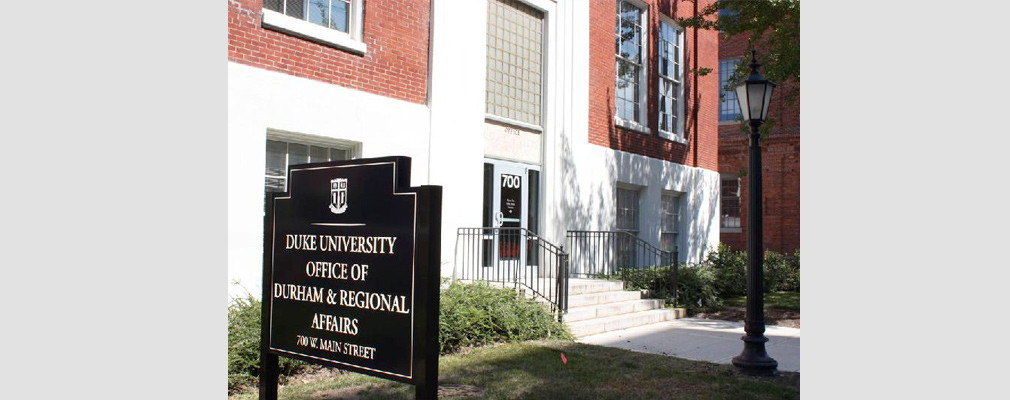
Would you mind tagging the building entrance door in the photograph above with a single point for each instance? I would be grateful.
(511, 205)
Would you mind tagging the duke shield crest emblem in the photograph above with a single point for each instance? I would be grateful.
(338, 195)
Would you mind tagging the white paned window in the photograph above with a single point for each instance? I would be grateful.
(627, 210)
(631, 35)
(671, 76)
(282, 154)
(342, 20)
(670, 221)
(730, 219)
(333, 14)
(515, 33)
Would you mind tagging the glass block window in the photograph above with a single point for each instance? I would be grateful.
(627, 210)
(670, 221)
(671, 75)
(730, 203)
(515, 33)
(630, 74)
(333, 14)
(729, 108)
(282, 154)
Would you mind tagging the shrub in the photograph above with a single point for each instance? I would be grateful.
(657, 280)
(244, 345)
(478, 314)
(696, 288)
(782, 273)
(730, 270)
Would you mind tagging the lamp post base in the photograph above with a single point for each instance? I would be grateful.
(754, 359)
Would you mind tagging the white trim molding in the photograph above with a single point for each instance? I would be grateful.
(282, 23)
(635, 126)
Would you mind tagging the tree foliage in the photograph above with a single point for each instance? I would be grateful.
(774, 28)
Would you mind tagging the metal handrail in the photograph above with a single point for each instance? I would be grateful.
(515, 256)
(612, 254)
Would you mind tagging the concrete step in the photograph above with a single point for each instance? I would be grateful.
(586, 286)
(613, 296)
(608, 309)
(620, 321)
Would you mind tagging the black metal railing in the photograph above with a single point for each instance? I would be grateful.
(517, 257)
(615, 254)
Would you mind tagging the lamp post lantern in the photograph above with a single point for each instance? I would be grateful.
(754, 95)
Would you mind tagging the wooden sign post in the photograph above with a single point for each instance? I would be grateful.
(351, 273)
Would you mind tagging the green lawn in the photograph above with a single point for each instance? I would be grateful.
(533, 370)
(780, 300)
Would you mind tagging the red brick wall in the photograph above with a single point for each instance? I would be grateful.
(780, 160)
(702, 106)
(395, 64)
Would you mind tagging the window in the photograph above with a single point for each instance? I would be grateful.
(729, 108)
(515, 34)
(728, 16)
(336, 22)
(627, 210)
(671, 75)
(730, 219)
(629, 96)
(670, 221)
(282, 154)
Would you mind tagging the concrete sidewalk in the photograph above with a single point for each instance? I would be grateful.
(703, 340)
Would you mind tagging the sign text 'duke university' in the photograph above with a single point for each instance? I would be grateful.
(349, 280)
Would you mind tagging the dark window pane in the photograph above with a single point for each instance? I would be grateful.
(318, 154)
(488, 192)
(533, 213)
(297, 154)
(295, 8)
(274, 5)
(337, 155)
(276, 152)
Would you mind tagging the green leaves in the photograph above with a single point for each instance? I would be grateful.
(478, 314)
(773, 27)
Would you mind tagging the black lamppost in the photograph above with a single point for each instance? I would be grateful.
(754, 95)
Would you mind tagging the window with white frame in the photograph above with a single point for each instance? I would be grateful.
(515, 32)
(729, 108)
(631, 38)
(627, 210)
(670, 222)
(671, 75)
(282, 154)
(730, 198)
(342, 20)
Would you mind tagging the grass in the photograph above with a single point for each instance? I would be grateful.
(779, 300)
(533, 370)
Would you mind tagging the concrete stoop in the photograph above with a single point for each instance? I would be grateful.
(597, 306)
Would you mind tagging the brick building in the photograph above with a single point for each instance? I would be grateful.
(780, 159)
(479, 93)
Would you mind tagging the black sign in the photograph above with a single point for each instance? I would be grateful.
(351, 269)
(511, 196)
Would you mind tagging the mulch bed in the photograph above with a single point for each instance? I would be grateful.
(773, 316)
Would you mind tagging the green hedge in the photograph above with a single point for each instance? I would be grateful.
(722, 275)
(244, 345)
(696, 289)
(782, 274)
(469, 315)
(478, 314)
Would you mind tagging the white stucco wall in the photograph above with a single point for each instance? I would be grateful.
(260, 100)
